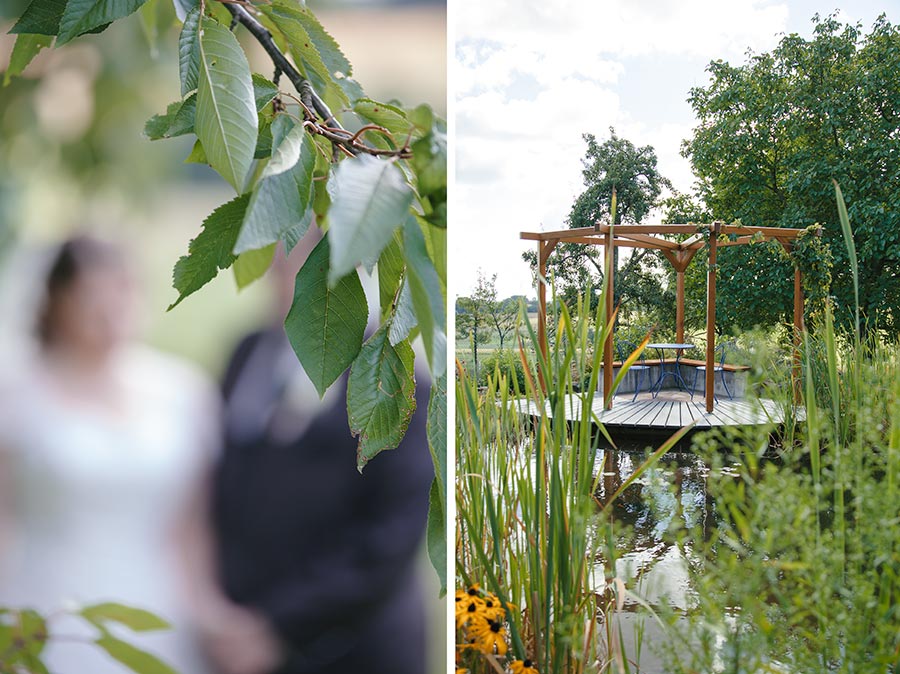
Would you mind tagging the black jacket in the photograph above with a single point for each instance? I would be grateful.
(325, 552)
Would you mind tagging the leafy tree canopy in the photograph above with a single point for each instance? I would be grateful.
(775, 131)
(615, 164)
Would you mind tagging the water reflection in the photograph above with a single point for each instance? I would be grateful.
(670, 496)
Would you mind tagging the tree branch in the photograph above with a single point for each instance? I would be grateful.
(330, 127)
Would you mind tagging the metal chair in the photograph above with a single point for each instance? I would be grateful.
(721, 350)
(624, 349)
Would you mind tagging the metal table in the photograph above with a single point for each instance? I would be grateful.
(664, 371)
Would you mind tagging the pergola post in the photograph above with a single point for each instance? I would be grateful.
(798, 333)
(679, 305)
(544, 250)
(715, 228)
(679, 261)
(608, 344)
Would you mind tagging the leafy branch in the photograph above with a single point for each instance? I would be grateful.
(309, 100)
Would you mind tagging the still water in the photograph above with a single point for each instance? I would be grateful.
(670, 496)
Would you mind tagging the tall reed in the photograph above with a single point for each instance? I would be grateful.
(529, 528)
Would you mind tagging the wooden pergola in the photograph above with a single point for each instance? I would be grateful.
(679, 254)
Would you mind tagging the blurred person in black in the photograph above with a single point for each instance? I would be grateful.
(324, 555)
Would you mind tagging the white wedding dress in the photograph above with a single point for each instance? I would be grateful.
(94, 497)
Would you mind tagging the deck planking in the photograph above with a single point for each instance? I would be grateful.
(670, 410)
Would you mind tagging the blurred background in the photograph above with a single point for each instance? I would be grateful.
(73, 158)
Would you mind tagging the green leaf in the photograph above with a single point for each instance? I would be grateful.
(436, 240)
(332, 57)
(430, 163)
(184, 7)
(292, 236)
(380, 395)
(427, 295)
(388, 116)
(27, 46)
(226, 121)
(180, 115)
(369, 200)
(436, 430)
(178, 120)
(83, 16)
(321, 202)
(423, 117)
(390, 273)
(283, 196)
(197, 155)
(325, 324)
(252, 264)
(436, 535)
(189, 51)
(135, 659)
(263, 139)
(137, 619)
(41, 17)
(211, 250)
(264, 91)
(32, 629)
(291, 18)
(404, 318)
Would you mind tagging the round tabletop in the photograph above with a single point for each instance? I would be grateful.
(670, 346)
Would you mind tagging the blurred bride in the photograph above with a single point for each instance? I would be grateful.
(103, 447)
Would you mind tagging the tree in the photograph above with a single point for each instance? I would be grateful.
(616, 164)
(772, 135)
(311, 149)
(473, 313)
(503, 315)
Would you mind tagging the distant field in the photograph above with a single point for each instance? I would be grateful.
(488, 346)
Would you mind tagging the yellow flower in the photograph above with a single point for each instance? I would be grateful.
(471, 591)
(489, 635)
(462, 670)
(468, 609)
(493, 609)
(522, 667)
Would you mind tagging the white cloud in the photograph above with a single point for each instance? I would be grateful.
(624, 27)
(530, 78)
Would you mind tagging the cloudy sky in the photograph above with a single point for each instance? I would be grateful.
(529, 78)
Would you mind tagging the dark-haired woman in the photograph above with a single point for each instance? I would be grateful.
(101, 443)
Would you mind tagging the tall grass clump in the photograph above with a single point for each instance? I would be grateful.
(803, 572)
(528, 527)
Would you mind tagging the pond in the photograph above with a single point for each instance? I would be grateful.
(672, 495)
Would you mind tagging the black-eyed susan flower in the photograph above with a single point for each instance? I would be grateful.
(467, 610)
(523, 667)
(490, 635)
(493, 608)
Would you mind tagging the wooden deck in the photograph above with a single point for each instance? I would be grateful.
(671, 410)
